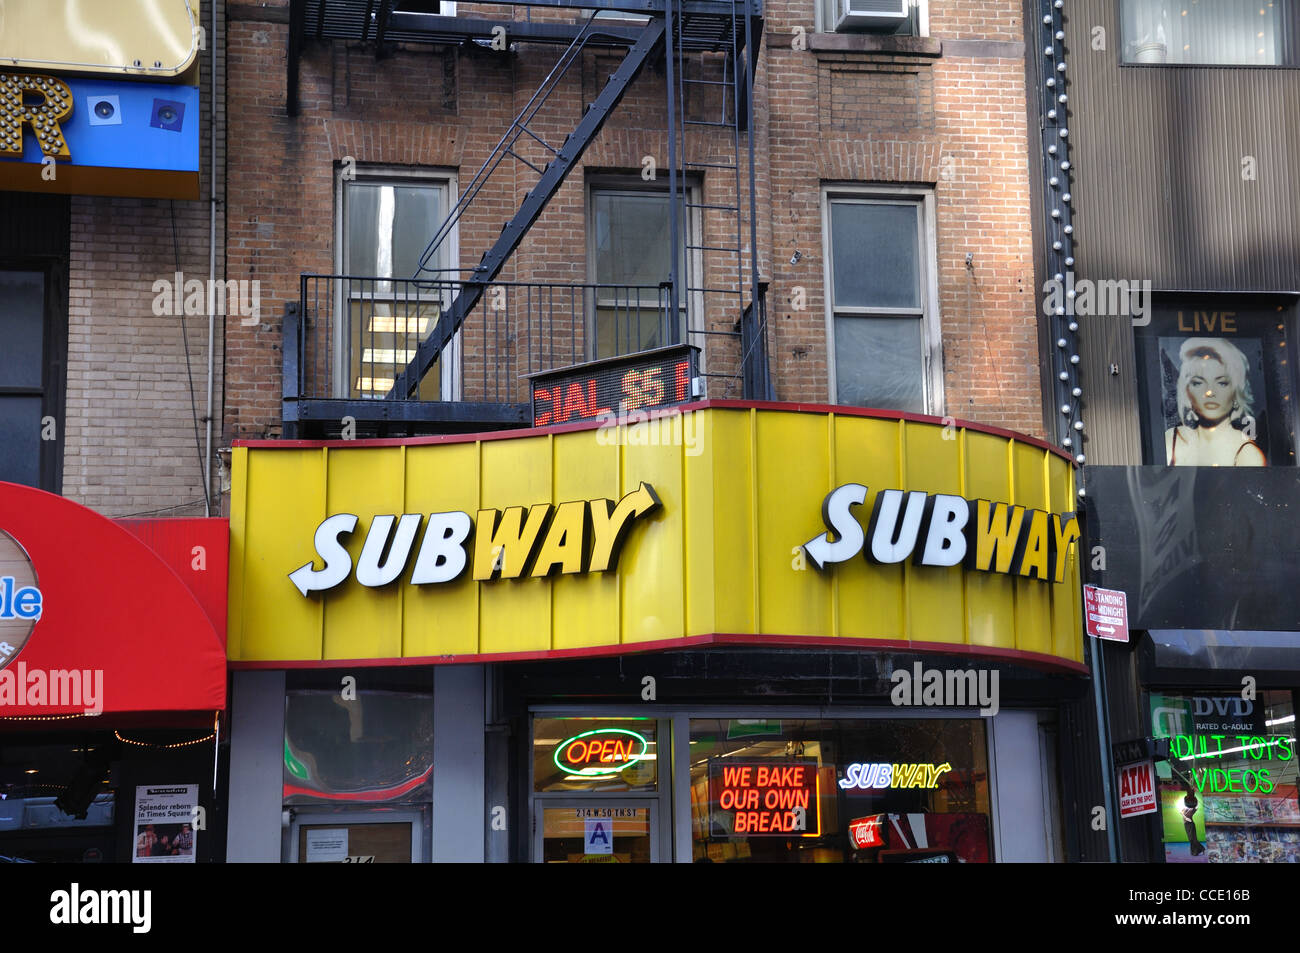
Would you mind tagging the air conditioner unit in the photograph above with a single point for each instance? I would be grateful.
(870, 14)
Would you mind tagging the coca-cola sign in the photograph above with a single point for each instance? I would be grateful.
(867, 832)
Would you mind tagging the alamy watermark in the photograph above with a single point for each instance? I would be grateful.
(57, 688)
(639, 429)
(946, 688)
(195, 297)
(76, 906)
(1103, 298)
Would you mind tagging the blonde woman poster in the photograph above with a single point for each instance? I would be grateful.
(1213, 402)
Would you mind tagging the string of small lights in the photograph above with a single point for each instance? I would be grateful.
(157, 747)
(46, 717)
(1065, 325)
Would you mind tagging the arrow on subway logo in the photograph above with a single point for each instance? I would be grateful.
(566, 538)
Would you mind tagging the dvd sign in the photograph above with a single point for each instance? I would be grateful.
(20, 598)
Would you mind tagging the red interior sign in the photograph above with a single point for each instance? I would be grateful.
(763, 798)
(867, 832)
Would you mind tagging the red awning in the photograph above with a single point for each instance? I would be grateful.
(91, 617)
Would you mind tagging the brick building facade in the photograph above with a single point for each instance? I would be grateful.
(130, 438)
(941, 116)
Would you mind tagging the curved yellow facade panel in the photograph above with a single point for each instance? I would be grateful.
(156, 38)
(725, 522)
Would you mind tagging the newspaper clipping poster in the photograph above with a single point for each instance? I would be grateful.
(164, 824)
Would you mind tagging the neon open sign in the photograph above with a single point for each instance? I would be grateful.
(602, 753)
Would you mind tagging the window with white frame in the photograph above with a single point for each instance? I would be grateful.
(881, 313)
(888, 17)
(629, 248)
(387, 219)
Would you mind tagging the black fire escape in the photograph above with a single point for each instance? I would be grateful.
(454, 347)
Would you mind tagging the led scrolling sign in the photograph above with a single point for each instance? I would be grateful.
(605, 390)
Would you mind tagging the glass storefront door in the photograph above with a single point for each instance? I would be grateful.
(356, 837)
(593, 831)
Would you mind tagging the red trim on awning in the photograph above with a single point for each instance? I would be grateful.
(113, 607)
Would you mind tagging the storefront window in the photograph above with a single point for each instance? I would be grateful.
(1228, 794)
(600, 755)
(857, 791)
(374, 748)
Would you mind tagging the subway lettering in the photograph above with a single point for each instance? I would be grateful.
(569, 538)
(943, 530)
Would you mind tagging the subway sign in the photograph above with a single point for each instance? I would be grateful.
(938, 529)
(569, 538)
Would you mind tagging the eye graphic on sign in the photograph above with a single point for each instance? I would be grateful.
(20, 598)
(601, 754)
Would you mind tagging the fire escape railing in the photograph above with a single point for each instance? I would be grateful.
(720, 291)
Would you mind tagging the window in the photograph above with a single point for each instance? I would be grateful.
(357, 773)
(1209, 33)
(629, 242)
(880, 316)
(445, 8)
(387, 222)
(824, 791)
(31, 378)
(1228, 792)
(864, 16)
